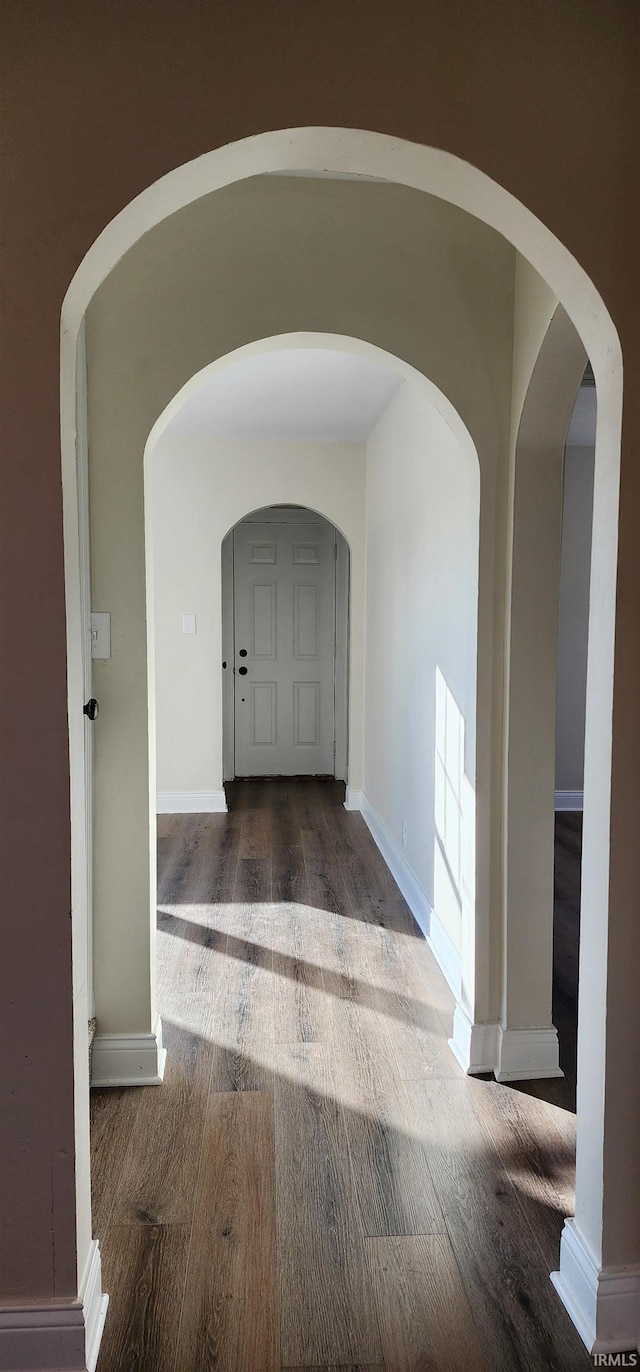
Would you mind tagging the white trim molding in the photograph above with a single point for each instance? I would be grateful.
(569, 800)
(473, 1045)
(94, 1303)
(353, 799)
(604, 1304)
(57, 1336)
(191, 803)
(128, 1059)
(417, 899)
(445, 953)
(527, 1054)
(442, 947)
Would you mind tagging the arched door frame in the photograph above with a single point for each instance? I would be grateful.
(341, 655)
(439, 173)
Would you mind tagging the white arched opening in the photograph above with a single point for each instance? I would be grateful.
(366, 154)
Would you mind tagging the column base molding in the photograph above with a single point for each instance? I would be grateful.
(604, 1304)
(569, 800)
(527, 1054)
(511, 1054)
(474, 1045)
(128, 1059)
(57, 1336)
(353, 799)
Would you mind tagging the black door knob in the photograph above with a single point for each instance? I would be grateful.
(242, 653)
(242, 671)
(91, 709)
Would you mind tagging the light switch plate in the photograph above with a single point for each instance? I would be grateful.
(188, 624)
(100, 634)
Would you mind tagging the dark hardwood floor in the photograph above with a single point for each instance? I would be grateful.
(317, 1184)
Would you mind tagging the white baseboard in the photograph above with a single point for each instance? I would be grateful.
(442, 947)
(191, 803)
(94, 1304)
(128, 1059)
(445, 953)
(527, 1054)
(569, 800)
(603, 1304)
(417, 899)
(473, 1045)
(353, 800)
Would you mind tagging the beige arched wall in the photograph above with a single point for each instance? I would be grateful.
(470, 188)
(264, 256)
(98, 106)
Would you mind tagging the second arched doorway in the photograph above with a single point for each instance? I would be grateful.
(285, 618)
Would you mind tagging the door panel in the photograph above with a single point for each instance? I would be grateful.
(284, 607)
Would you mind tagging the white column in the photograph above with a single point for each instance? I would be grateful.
(527, 1041)
(599, 1276)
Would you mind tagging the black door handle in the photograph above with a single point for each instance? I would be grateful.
(91, 709)
(242, 671)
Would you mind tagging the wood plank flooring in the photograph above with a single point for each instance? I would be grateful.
(317, 1185)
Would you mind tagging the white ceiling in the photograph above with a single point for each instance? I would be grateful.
(582, 429)
(295, 395)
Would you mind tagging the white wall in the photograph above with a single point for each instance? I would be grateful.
(577, 516)
(421, 615)
(198, 489)
(282, 256)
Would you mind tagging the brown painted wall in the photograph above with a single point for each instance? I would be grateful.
(100, 100)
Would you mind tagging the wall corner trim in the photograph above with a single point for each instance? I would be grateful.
(442, 947)
(128, 1059)
(569, 800)
(604, 1304)
(353, 799)
(527, 1054)
(191, 803)
(57, 1336)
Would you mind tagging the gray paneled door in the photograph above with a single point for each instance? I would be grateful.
(284, 610)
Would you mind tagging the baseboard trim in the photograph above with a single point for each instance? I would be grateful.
(128, 1059)
(417, 899)
(191, 803)
(48, 1337)
(603, 1304)
(353, 799)
(527, 1054)
(569, 800)
(445, 953)
(442, 947)
(473, 1045)
(57, 1336)
(94, 1303)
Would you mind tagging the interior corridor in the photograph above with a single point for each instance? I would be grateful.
(317, 1184)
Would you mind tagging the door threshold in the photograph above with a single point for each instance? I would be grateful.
(301, 776)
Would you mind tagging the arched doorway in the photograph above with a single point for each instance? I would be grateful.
(366, 153)
(285, 618)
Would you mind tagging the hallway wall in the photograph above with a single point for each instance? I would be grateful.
(269, 256)
(423, 494)
(199, 488)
